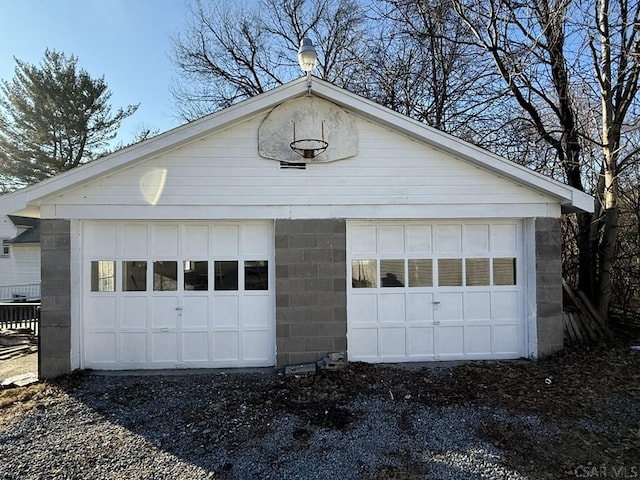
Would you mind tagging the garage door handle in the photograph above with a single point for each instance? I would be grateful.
(178, 308)
(436, 303)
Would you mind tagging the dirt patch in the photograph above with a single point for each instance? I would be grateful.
(19, 365)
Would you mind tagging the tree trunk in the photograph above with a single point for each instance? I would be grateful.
(607, 247)
(586, 255)
(607, 255)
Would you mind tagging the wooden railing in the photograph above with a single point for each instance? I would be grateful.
(19, 315)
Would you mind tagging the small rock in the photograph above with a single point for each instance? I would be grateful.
(300, 370)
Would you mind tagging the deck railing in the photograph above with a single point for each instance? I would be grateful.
(20, 315)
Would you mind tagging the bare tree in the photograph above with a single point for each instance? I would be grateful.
(230, 52)
(413, 57)
(541, 50)
(626, 263)
(615, 48)
(424, 64)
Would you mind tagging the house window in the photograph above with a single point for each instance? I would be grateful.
(196, 276)
(364, 273)
(450, 272)
(504, 271)
(103, 276)
(256, 275)
(477, 272)
(165, 276)
(392, 273)
(420, 272)
(226, 275)
(6, 249)
(134, 276)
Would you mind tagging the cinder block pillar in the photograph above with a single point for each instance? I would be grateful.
(54, 354)
(311, 292)
(549, 286)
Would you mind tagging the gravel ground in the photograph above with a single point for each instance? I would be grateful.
(174, 431)
(363, 423)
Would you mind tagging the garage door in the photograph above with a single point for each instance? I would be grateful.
(435, 291)
(176, 295)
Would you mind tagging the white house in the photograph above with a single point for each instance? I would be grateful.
(19, 258)
(299, 222)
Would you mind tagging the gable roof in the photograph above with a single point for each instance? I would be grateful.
(26, 201)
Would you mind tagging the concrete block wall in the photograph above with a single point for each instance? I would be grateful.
(311, 289)
(54, 354)
(549, 286)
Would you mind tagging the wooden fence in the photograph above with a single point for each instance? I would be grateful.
(16, 315)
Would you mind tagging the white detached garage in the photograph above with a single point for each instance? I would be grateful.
(297, 223)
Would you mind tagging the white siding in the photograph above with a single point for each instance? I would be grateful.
(222, 176)
(7, 228)
(22, 267)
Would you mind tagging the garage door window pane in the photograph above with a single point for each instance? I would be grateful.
(256, 275)
(134, 276)
(103, 276)
(226, 275)
(196, 276)
(477, 272)
(165, 276)
(450, 272)
(421, 272)
(392, 273)
(504, 271)
(364, 273)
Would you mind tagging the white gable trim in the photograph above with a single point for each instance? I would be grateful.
(569, 196)
(28, 200)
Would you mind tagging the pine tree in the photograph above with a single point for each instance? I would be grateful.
(53, 117)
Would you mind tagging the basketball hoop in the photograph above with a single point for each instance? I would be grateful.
(308, 147)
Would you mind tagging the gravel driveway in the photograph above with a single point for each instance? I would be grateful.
(364, 422)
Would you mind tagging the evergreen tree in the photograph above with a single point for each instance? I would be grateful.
(53, 117)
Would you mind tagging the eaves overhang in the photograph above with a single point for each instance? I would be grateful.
(26, 202)
(570, 199)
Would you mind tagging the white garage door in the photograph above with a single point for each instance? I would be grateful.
(176, 295)
(435, 291)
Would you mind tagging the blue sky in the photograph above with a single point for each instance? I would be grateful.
(127, 41)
